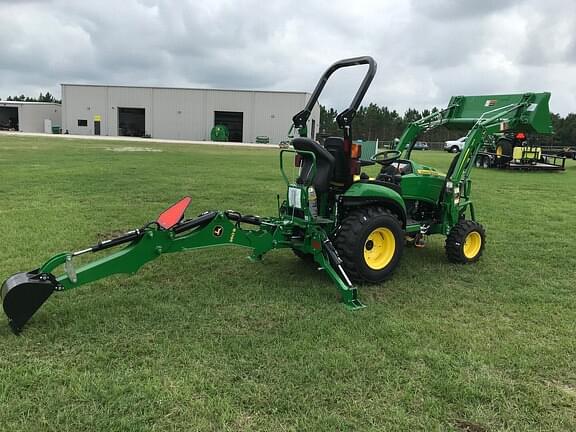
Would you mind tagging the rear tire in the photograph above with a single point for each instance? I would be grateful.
(454, 149)
(503, 152)
(370, 244)
(466, 242)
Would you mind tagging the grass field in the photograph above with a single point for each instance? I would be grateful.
(209, 341)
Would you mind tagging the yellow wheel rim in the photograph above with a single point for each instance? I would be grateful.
(379, 248)
(472, 244)
(499, 151)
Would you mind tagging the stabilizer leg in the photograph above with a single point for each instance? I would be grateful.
(332, 264)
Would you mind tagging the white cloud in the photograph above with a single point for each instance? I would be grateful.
(426, 50)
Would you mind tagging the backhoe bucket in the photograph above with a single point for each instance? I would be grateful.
(23, 294)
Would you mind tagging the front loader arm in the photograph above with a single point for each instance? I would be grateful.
(429, 122)
(456, 197)
(408, 137)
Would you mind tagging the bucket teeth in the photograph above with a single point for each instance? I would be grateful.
(23, 294)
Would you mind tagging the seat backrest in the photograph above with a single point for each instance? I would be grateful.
(324, 164)
(335, 146)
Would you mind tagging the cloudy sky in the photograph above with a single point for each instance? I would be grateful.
(426, 50)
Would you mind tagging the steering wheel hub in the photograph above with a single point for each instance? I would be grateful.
(386, 157)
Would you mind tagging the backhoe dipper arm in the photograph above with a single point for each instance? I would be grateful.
(220, 231)
(25, 292)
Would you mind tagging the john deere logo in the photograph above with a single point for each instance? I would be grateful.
(218, 230)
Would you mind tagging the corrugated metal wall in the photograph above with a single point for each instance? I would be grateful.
(182, 113)
(31, 116)
(84, 103)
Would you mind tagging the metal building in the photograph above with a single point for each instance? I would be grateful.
(181, 113)
(29, 116)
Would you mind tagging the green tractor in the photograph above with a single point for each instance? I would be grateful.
(220, 133)
(350, 225)
(518, 151)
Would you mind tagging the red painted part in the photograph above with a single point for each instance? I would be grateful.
(316, 244)
(355, 167)
(347, 146)
(171, 216)
(521, 135)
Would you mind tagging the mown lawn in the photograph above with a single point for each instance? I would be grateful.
(209, 341)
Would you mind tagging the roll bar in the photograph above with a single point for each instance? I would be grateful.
(345, 117)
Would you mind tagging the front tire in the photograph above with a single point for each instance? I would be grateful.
(466, 242)
(370, 244)
(454, 149)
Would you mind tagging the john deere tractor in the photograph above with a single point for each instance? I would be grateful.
(518, 151)
(350, 225)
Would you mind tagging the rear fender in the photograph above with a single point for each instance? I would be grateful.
(362, 194)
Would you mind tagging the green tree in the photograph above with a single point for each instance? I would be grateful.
(328, 121)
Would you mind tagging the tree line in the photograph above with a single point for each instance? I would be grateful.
(374, 122)
(47, 97)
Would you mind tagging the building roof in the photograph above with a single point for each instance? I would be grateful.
(185, 88)
(7, 102)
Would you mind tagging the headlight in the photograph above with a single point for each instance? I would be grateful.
(457, 195)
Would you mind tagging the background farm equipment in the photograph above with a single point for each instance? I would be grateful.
(220, 133)
(517, 151)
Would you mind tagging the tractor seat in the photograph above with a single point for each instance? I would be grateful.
(335, 146)
(324, 164)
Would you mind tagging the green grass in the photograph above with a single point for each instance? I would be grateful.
(209, 341)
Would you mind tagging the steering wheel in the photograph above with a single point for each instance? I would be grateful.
(386, 157)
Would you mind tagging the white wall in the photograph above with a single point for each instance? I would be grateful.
(182, 113)
(31, 116)
(83, 103)
(179, 114)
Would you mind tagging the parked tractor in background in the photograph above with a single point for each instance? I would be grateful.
(517, 151)
(220, 133)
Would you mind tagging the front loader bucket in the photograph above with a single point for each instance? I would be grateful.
(23, 294)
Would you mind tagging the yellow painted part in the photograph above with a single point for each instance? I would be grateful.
(429, 172)
(527, 152)
(379, 248)
(472, 244)
(357, 178)
(499, 151)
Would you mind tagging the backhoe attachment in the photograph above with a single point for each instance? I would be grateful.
(24, 293)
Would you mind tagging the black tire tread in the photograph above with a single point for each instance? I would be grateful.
(349, 233)
(456, 237)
